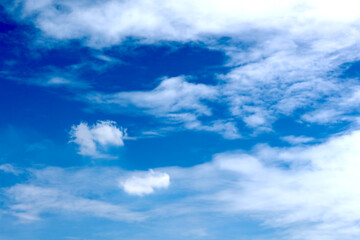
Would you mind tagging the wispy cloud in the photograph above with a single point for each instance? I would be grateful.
(172, 96)
(297, 139)
(174, 100)
(48, 78)
(33, 200)
(8, 168)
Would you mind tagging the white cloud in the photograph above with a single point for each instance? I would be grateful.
(279, 76)
(254, 120)
(145, 183)
(51, 78)
(226, 129)
(172, 96)
(8, 168)
(95, 139)
(339, 107)
(57, 81)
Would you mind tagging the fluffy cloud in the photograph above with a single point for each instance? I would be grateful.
(92, 140)
(145, 183)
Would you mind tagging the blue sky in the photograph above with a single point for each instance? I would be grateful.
(141, 120)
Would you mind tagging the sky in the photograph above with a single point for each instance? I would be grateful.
(179, 119)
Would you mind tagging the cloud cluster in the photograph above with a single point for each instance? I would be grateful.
(282, 56)
(95, 139)
(305, 192)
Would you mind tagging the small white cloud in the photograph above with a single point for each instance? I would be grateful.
(105, 58)
(145, 183)
(58, 81)
(92, 140)
(297, 139)
(322, 116)
(254, 120)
